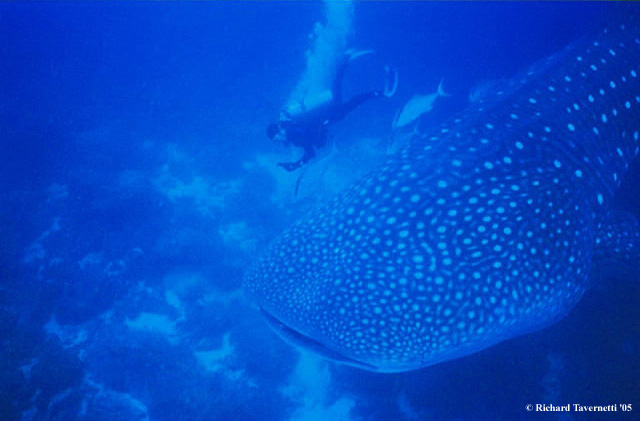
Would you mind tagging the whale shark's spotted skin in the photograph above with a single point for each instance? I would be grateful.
(479, 232)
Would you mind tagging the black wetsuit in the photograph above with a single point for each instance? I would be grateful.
(310, 132)
(305, 136)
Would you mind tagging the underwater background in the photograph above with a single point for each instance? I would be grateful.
(138, 184)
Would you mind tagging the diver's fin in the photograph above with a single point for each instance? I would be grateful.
(617, 252)
(353, 54)
(391, 81)
(440, 91)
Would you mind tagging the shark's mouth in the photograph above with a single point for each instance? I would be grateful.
(300, 340)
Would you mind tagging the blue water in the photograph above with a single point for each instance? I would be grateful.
(138, 185)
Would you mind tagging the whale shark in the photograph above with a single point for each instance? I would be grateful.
(487, 227)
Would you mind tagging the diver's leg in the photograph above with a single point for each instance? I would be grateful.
(348, 57)
(390, 86)
(336, 89)
(345, 108)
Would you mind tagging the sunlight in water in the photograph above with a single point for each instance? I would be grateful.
(329, 43)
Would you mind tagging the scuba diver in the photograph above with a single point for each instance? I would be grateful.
(306, 125)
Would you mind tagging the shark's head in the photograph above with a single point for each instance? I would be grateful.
(372, 280)
(329, 285)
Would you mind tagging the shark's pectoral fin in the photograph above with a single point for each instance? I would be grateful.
(617, 252)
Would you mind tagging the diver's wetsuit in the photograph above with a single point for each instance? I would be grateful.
(309, 131)
(305, 136)
(309, 135)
